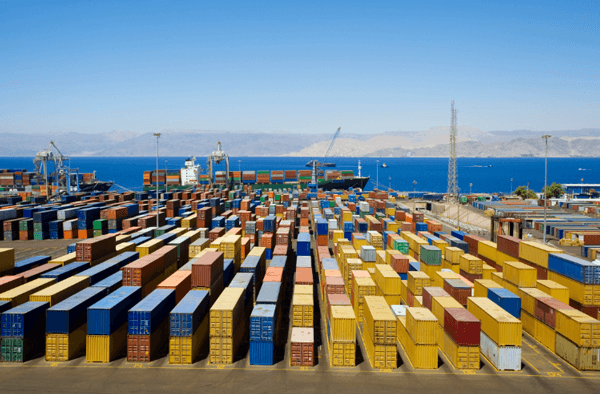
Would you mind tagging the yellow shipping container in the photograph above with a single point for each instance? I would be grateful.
(123, 238)
(586, 295)
(179, 231)
(217, 244)
(387, 279)
(7, 260)
(497, 277)
(61, 290)
(380, 256)
(125, 247)
(376, 240)
(224, 349)
(417, 302)
(65, 347)
(578, 327)
(106, 348)
(513, 288)
(430, 270)
(351, 265)
(452, 254)
(528, 323)
(195, 250)
(488, 249)
(503, 257)
(536, 253)
(337, 234)
(441, 276)
(347, 252)
(404, 291)
(414, 241)
(462, 357)
(194, 234)
(481, 287)
(342, 354)
(471, 264)
(421, 356)
(185, 350)
(544, 335)
(149, 247)
(440, 244)
(304, 289)
(190, 221)
(343, 323)
(302, 310)
(439, 305)
(347, 215)
(393, 227)
(502, 328)
(487, 271)
(358, 242)
(554, 289)
(380, 321)
(421, 325)
(447, 265)
(65, 259)
(528, 297)
(20, 294)
(416, 280)
(226, 312)
(519, 274)
(380, 356)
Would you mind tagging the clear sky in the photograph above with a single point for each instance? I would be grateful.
(298, 66)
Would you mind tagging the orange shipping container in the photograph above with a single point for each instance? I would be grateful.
(180, 281)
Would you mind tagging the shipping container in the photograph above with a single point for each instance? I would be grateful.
(110, 313)
(501, 327)
(70, 314)
(148, 314)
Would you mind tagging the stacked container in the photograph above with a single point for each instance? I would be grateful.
(227, 326)
(263, 329)
(148, 324)
(380, 333)
(189, 327)
(417, 334)
(23, 332)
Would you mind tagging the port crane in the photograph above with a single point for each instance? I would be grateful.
(62, 170)
(316, 164)
(217, 157)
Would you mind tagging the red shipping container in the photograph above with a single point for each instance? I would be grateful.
(591, 311)
(545, 309)
(462, 326)
(302, 347)
(10, 282)
(410, 298)
(591, 238)
(399, 263)
(143, 270)
(323, 240)
(509, 245)
(400, 215)
(470, 277)
(207, 269)
(430, 292)
(266, 241)
(304, 276)
(334, 285)
(406, 226)
(274, 274)
(93, 249)
(460, 294)
(180, 281)
(216, 233)
(473, 241)
(36, 272)
(283, 236)
(281, 250)
(146, 348)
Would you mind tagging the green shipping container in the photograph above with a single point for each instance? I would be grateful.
(17, 351)
(100, 224)
(431, 255)
(401, 245)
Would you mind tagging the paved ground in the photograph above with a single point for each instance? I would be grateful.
(49, 247)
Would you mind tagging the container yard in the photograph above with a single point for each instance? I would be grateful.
(250, 281)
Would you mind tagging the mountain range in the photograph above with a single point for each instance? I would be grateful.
(471, 142)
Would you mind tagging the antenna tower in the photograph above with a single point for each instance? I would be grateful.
(452, 174)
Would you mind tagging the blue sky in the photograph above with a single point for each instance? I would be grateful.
(309, 66)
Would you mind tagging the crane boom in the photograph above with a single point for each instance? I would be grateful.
(332, 141)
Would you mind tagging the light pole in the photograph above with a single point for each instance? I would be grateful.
(458, 208)
(414, 195)
(511, 189)
(546, 136)
(470, 188)
(240, 166)
(377, 182)
(390, 185)
(166, 170)
(157, 135)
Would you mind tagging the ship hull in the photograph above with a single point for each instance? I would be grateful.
(342, 184)
(98, 186)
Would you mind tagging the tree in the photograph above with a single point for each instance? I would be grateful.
(555, 190)
(525, 193)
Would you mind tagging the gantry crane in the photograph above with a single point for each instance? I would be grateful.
(316, 164)
(62, 173)
(217, 157)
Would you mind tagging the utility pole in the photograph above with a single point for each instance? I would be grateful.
(470, 188)
(166, 170)
(511, 189)
(157, 135)
(458, 210)
(414, 196)
(546, 136)
(377, 182)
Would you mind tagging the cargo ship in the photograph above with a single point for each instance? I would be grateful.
(23, 181)
(190, 175)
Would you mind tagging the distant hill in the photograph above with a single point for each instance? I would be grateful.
(472, 142)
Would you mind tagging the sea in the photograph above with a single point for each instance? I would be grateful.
(475, 175)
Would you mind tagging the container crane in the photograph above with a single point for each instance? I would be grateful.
(217, 157)
(315, 164)
(62, 173)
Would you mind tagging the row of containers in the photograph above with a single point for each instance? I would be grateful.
(432, 260)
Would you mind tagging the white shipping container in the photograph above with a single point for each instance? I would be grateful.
(368, 253)
(502, 357)
(66, 214)
(303, 262)
(68, 225)
(332, 223)
(364, 206)
(399, 310)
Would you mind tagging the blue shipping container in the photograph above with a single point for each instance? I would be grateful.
(70, 314)
(228, 271)
(263, 323)
(303, 245)
(24, 319)
(111, 283)
(66, 271)
(269, 294)
(580, 270)
(279, 261)
(110, 313)
(330, 264)
(303, 262)
(506, 300)
(245, 280)
(32, 262)
(186, 317)
(261, 352)
(149, 313)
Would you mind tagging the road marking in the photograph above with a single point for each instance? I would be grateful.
(530, 364)
(554, 375)
(533, 347)
(556, 365)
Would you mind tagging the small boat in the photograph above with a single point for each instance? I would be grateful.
(384, 165)
(310, 164)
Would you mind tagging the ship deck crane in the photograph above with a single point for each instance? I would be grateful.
(217, 157)
(315, 164)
